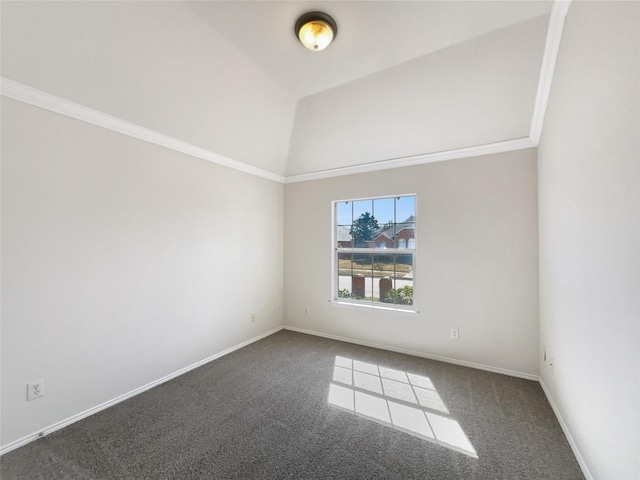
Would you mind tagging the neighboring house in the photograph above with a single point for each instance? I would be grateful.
(403, 232)
(344, 237)
(384, 236)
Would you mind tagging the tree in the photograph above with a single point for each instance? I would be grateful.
(362, 229)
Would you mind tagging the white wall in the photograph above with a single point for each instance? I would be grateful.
(122, 262)
(478, 92)
(476, 265)
(589, 174)
(156, 64)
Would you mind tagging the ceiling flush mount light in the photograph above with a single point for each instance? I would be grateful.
(316, 30)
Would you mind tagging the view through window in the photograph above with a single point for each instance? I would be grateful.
(375, 250)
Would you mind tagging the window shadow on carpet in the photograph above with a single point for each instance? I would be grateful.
(397, 399)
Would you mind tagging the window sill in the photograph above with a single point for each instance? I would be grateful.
(343, 304)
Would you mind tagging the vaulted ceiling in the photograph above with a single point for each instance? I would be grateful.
(372, 36)
(402, 79)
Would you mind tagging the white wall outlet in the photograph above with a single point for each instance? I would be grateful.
(306, 310)
(273, 310)
(35, 389)
(455, 333)
(253, 318)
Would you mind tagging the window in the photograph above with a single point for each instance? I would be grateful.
(375, 251)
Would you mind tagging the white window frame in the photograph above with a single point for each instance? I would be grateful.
(335, 250)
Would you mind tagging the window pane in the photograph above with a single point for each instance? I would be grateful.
(384, 265)
(362, 263)
(383, 211)
(361, 207)
(404, 266)
(343, 213)
(350, 285)
(399, 290)
(402, 294)
(344, 275)
(404, 233)
(406, 209)
(344, 236)
(385, 288)
(364, 225)
(368, 288)
(382, 241)
(383, 273)
(344, 264)
(364, 233)
(383, 236)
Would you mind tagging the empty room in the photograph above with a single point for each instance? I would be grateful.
(314, 240)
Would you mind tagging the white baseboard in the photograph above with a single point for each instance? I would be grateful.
(503, 371)
(57, 426)
(567, 433)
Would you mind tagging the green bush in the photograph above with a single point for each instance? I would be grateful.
(400, 296)
(344, 293)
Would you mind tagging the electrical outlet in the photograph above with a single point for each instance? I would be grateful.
(35, 389)
(306, 310)
(273, 310)
(253, 318)
(455, 333)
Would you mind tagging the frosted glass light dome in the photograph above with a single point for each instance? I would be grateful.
(316, 30)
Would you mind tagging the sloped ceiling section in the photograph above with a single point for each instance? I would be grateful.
(155, 64)
(477, 92)
(227, 81)
(372, 35)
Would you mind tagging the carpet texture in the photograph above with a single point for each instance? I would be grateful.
(298, 406)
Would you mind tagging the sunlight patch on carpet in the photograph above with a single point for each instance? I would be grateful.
(398, 399)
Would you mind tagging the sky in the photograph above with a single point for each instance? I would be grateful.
(381, 208)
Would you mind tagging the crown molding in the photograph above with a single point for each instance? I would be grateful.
(551, 48)
(47, 101)
(409, 161)
(38, 98)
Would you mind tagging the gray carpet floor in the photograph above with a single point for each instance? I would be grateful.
(298, 406)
